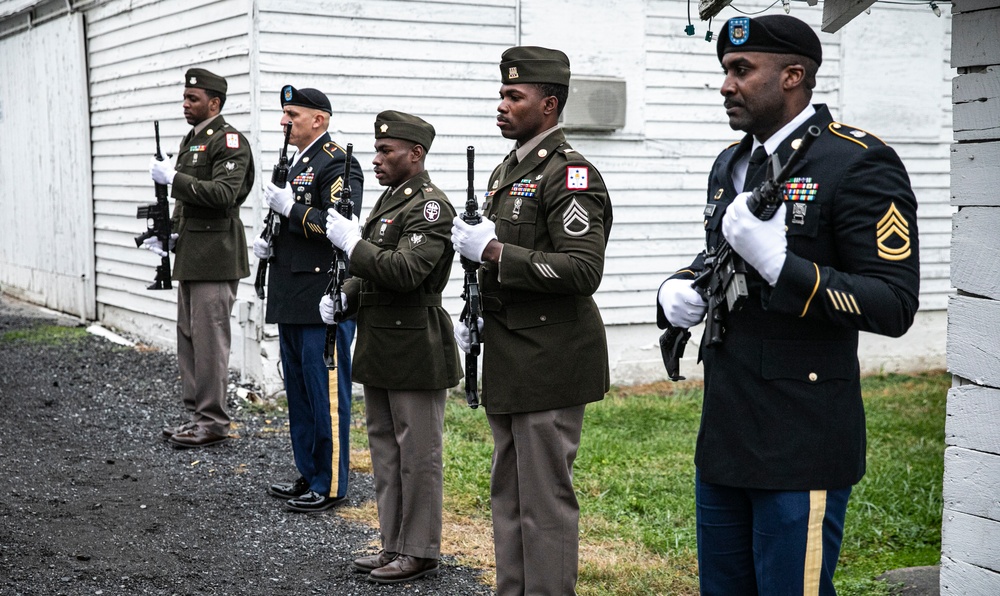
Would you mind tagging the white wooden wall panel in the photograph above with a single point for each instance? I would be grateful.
(977, 101)
(974, 339)
(972, 540)
(960, 578)
(970, 484)
(47, 245)
(974, 163)
(976, 252)
(973, 411)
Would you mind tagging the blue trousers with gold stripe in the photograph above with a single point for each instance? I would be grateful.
(768, 542)
(319, 427)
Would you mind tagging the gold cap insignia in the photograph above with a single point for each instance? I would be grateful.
(893, 224)
(512, 72)
(384, 128)
(193, 81)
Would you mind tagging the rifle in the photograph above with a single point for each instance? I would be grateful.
(338, 268)
(272, 225)
(157, 216)
(470, 292)
(722, 282)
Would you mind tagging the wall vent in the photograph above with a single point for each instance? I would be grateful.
(594, 104)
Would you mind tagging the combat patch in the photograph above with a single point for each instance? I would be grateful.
(432, 211)
(576, 178)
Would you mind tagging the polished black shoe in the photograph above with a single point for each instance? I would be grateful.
(372, 562)
(288, 490)
(403, 569)
(170, 431)
(196, 437)
(311, 501)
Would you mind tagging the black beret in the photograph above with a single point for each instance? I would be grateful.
(773, 33)
(307, 98)
(391, 124)
(532, 64)
(199, 78)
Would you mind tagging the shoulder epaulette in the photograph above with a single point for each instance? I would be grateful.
(856, 135)
(332, 148)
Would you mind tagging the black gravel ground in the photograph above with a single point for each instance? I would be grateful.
(92, 501)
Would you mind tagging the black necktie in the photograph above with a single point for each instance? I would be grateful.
(757, 160)
(509, 164)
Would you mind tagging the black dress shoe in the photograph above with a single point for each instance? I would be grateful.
(170, 431)
(288, 490)
(372, 562)
(196, 437)
(312, 501)
(404, 568)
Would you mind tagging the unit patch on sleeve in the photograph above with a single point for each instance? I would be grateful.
(576, 178)
(576, 220)
(432, 211)
(892, 235)
(232, 140)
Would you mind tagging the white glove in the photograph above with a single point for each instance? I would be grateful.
(462, 335)
(260, 248)
(762, 244)
(470, 241)
(279, 199)
(681, 304)
(326, 307)
(342, 232)
(163, 172)
(154, 245)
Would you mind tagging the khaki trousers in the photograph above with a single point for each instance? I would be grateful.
(536, 517)
(203, 340)
(405, 439)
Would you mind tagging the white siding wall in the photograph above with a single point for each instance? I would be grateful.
(970, 533)
(46, 247)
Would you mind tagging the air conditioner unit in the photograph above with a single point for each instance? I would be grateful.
(594, 104)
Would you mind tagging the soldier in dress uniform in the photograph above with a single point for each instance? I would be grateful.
(545, 355)
(782, 437)
(298, 277)
(213, 176)
(406, 355)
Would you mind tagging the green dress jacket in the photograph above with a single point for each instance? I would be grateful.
(544, 345)
(215, 172)
(405, 339)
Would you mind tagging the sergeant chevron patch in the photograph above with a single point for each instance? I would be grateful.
(576, 220)
(336, 188)
(892, 235)
(843, 301)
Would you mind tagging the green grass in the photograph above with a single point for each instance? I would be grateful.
(45, 334)
(635, 474)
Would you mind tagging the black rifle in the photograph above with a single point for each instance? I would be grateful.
(272, 224)
(470, 292)
(722, 282)
(157, 216)
(338, 269)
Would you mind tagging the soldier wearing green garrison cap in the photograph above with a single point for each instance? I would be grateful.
(213, 176)
(405, 356)
(547, 217)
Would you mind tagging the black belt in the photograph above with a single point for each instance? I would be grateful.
(208, 212)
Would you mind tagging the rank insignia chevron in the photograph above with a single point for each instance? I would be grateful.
(893, 224)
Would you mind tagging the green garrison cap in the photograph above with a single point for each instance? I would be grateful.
(532, 64)
(199, 78)
(307, 98)
(391, 124)
(773, 33)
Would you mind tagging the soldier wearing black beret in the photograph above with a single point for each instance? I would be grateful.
(319, 424)
(406, 355)
(782, 437)
(213, 176)
(547, 218)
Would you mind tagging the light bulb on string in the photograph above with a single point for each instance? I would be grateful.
(787, 5)
(935, 9)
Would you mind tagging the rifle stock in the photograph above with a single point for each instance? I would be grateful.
(279, 177)
(470, 292)
(338, 268)
(722, 282)
(157, 216)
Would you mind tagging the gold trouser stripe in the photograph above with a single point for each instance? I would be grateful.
(815, 287)
(334, 399)
(814, 543)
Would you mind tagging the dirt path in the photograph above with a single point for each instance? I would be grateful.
(93, 502)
